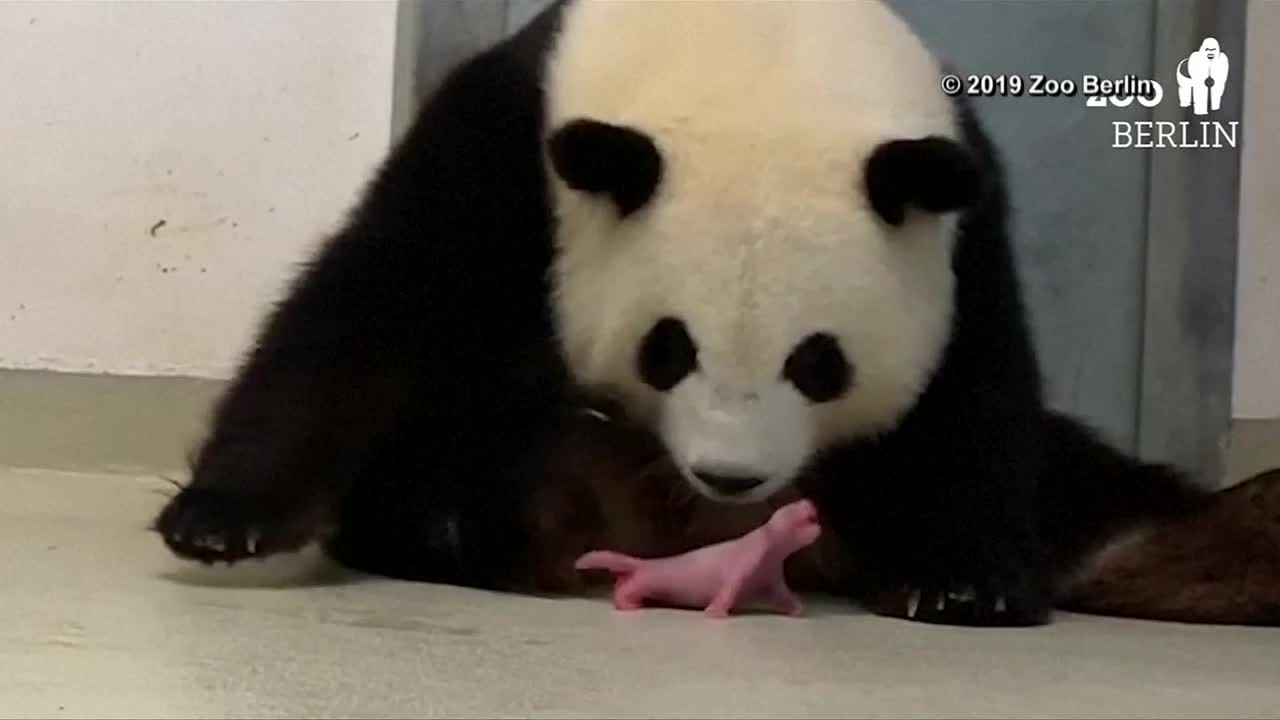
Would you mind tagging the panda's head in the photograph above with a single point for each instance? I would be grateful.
(754, 240)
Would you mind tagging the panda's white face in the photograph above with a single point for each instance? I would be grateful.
(723, 267)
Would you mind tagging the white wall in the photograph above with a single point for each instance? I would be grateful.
(248, 127)
(1257, 355)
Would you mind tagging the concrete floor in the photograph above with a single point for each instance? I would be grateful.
(96, 620)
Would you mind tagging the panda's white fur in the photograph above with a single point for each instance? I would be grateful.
(759, 233)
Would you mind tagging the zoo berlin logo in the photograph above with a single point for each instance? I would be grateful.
(1202, 78)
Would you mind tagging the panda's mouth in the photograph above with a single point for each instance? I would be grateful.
(731, 486)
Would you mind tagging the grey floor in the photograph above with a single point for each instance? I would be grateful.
(96, 620)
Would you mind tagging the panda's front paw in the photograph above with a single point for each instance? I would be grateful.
(994, 589)
(213, 524)
(962, 605)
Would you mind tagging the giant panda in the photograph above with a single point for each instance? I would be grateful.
(644, 271)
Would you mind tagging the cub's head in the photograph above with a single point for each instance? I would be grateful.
(755, 258)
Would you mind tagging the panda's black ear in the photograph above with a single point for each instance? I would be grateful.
(933, 174)
(600, 158)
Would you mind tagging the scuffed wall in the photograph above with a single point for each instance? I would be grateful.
(167, 164)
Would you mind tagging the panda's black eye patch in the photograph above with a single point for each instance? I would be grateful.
(818, 368)
(667, 354)
(599, 158)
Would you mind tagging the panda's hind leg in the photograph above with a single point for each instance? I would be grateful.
(444, 503)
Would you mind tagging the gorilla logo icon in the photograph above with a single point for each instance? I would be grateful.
(1205, 77)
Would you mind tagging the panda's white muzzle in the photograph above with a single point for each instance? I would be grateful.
(736, 445)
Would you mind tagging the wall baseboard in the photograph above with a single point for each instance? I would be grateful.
(149, 424)
(101, 423)
(1253, 447)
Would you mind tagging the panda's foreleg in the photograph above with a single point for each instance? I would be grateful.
(370, 407)
(335, 367)
(411, 348)
(939, 520)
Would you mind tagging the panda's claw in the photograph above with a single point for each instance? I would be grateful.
(960, 604)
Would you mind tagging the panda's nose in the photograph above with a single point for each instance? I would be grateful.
(729, 484)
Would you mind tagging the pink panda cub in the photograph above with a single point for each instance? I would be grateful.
(720, 577)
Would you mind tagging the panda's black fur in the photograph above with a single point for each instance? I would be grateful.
(406, 405)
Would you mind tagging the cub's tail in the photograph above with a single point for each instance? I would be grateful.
(616, 564)
(1136, 539)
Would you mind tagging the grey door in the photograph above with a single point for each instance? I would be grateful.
(1128, 253)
